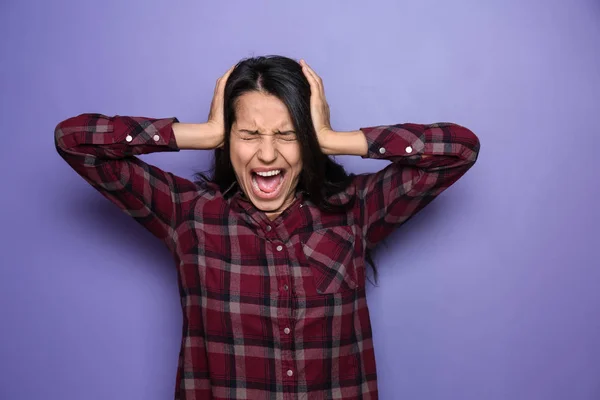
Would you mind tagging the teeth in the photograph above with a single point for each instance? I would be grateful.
(270, 173)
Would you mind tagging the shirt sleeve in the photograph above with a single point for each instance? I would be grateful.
(102, 150)
(425, 161)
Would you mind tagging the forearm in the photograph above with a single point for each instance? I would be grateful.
(197, 136)
(425, 161)
(345, 143)
(102, 150)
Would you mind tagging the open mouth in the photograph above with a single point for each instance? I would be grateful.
(267, 184)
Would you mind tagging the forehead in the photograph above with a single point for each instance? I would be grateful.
(257, 110)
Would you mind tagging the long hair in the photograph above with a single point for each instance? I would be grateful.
(282, 77)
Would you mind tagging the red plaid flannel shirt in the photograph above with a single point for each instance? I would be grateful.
(271, 309)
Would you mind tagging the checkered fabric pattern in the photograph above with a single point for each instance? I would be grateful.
(271, 309)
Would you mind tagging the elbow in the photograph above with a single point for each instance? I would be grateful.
(474, 149)
(63, 133)
(469, 143)
(59, 137)
(65, 130)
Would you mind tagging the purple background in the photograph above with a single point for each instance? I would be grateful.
(492, 292)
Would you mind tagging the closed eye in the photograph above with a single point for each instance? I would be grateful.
(287, 136)
(248, 135)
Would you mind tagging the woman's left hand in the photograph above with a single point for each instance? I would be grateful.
(319, 108)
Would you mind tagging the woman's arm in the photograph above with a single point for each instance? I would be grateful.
(426, 160)
(205, 136)
(102, 150)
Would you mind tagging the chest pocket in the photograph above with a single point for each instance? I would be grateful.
(329, 253)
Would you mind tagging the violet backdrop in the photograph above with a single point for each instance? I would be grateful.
(491, 293)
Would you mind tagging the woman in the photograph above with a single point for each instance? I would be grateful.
(271, 248)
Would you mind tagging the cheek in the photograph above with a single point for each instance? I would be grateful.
(295, 158)
(240, 156)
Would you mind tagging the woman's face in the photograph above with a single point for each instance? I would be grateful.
(265, 152)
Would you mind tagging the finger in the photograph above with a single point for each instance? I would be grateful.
(225, 76)
(220, 86)
(311, 74)
(315, 76)
(229, 71)
(315, 87)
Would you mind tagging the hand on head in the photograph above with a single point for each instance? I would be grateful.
(215, 116)
(319, 108)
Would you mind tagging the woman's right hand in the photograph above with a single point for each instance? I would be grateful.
(208, 135)
(216, 114)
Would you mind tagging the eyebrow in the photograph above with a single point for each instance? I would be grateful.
(255, 132)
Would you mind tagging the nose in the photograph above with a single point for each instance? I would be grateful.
(267, 152)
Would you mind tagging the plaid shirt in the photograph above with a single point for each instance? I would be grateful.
(271, 309)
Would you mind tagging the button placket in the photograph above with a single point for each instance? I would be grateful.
(279, 248)
(284, 314)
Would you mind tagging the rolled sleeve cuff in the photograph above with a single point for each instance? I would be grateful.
(385, 142)
(146, 135)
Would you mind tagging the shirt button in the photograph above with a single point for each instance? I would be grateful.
(408, 149)
(156, 138)
(269, 228)
(382, 150)
(279, 248)
(129, 138)
(286, 331)
(285, 287)
(290, 372)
